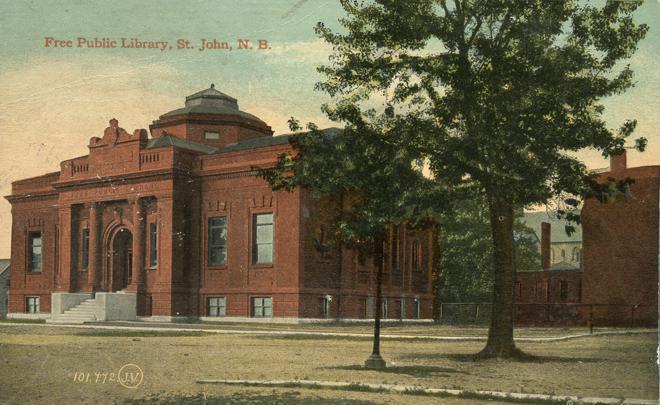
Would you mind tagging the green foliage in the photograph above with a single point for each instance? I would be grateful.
(492, 91)
(466, 253)
(367, 167)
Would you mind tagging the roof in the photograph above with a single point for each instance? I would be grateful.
(170, 140)
(558, 234)
(266, 141)
(255, 143)
(211, 101)
(4, 265)
(563, 266)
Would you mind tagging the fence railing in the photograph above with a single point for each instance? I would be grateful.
(552, 314)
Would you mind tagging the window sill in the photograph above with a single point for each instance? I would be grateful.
(34, 273)
(152, 268)
(217, 267)
(258, 266)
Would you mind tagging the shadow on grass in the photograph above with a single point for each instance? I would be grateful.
(244, 398)
(524, 358)
(414, 371)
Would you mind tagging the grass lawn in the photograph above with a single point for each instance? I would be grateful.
(39, 364)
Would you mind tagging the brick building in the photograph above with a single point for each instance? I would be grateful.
(618, 283)
(621, 248)
(176, 224)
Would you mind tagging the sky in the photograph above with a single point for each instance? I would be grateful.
(53, 99)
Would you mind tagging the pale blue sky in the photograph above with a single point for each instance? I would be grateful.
(54, 100)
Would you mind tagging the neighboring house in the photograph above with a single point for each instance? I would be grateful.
(175, 224)
(565, 250)
(5, 270)
(613, 279)
(621, 248)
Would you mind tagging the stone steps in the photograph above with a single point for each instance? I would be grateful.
(81, 313)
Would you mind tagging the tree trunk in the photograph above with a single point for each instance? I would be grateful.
(500, 335)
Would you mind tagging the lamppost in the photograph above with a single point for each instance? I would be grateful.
(375, 361)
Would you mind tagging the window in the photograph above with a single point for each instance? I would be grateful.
(211, 135)
(563, 290)
(369, 307)
(403, 307)
(416, 308)
(325, 309)
(395, 248)
(580, 291)
(32, 306)
(217, 306)
(361, 260)
(85, 248)
(35, 252)
(262, 307)
(383, 307)
(217, 241)
(262, 246)
(153, 244)
(415, 255)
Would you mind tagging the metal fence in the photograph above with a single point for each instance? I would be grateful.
(560, 314)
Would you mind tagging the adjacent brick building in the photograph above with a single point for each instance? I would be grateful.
(176, 224)
(618, 283)
(621, 248)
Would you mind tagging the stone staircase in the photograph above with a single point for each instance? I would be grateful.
(81, 313)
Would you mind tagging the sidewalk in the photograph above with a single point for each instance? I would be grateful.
(206, 328)
(440, 392)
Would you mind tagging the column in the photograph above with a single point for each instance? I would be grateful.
(137, 276)
(64, 217)
(93, 267)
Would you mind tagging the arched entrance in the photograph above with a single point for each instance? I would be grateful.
(120, 259)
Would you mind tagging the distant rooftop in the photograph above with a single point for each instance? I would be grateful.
(557, 227)
(4, 265)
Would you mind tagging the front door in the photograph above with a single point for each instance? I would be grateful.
(122, 260)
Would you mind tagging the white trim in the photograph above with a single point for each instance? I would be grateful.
(21, 315)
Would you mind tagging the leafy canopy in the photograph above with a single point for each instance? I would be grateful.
(494, 93)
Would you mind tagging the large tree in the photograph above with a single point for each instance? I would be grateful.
(494, 94)
(371, 175)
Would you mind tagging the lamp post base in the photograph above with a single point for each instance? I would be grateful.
(375, 362)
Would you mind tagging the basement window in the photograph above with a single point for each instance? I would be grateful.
(262, 307)
(32, 305)
(211, 135)
(217, 306)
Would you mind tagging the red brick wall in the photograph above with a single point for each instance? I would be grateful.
(620, 249)
(34, 215)
(179, 191)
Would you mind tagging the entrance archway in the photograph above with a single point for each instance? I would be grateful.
(121, 260)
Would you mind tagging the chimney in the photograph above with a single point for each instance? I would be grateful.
(618, 162)
(545, 246)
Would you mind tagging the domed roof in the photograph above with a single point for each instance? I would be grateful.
(211, 101)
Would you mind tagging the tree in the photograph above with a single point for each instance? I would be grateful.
(373, 178)
(466, 265)
(494, 94)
